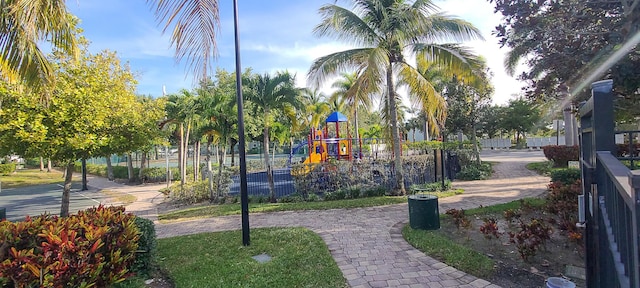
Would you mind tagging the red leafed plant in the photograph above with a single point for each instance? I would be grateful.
(530, 237)
(459, 218)
(490, 228)
(561, 155)
(93, 248)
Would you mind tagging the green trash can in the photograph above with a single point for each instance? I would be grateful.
(3, 214)
(423, 212)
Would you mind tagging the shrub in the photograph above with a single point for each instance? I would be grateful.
(473, 171)
(93, 248)
(459, 218)
(190, 192)
(530, 237)
(336, 195)
(543, 168)
(6, 169)
(562, 201)
(374, 192)
(433, 187)
(566, 176)
(490, 228)
(147, 243)
(561, 155)
(291, 198)
(623, 150)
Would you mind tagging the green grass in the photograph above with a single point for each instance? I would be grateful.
(499, 208)
(440, 247)
(233, 209)
(29, 177)
(543, 168)
(299, 259)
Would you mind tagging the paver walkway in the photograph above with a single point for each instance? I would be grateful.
(367, 243)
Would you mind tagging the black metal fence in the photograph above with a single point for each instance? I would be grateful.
(329, 177)
(611, 196)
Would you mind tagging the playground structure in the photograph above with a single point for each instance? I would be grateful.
(325, 144)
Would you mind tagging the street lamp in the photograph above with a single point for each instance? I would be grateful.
(244, 197)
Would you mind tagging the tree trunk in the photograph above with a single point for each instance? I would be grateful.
(181, 155)
(84, 175)
(356, 127)
(143, 164)
(194, 161)
(397, 149)
(66, 191)
(41, 164)
(476, 148)
(186, 150)
(49, 165)
(130, 167)
(233, 152)
(109, 168)
(265, 148)
(221, 164)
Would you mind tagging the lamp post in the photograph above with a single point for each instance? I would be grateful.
(244, 197)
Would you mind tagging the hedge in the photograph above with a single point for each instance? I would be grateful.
(561, 155)
(6, 169)
(93, 248)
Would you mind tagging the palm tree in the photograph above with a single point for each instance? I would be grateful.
(270, 95)
(351, 92)
(23, 25)
(181, 109)
(387, 33)
(194, 25)
(315, 106)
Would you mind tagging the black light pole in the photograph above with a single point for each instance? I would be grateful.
(244, 196)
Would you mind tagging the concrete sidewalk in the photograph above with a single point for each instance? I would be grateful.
(367, 243)
(147, 196)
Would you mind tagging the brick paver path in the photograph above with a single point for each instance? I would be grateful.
(367, 243)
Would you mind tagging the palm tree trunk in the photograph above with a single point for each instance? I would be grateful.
(49, 166)
(265, 146)
(194, 161)
(397, 150)
(186, 150)
(224, 155)
(355, 117)
(66, 191)
(181, 154)
(109, 168)
(41, 164)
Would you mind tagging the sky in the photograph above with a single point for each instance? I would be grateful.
(275, 35)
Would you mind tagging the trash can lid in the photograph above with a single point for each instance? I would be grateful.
(557, 282)
(422, 197)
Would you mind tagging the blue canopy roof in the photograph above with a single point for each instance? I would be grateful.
(336, 117)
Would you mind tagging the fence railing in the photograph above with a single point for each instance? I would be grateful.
(610, 193)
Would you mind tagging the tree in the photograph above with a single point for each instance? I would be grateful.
(355, 97)
(568, 44)
(194, 25)
(181, 109)
(77, 120)
(491, 120)
(24, 24)
(385, 30)
(270, 95)
(520, 116)
(316, 106)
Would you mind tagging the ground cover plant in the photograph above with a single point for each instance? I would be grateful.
(517, 244)
(299, 259)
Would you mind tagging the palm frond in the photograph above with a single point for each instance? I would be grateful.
(332, 64)
(440, 27)
(342, 24)
(194, 25)
(423, 94)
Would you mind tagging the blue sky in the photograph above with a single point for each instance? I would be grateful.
(274, 35)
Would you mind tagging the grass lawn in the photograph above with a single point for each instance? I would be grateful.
(231, 209)
(28, 177)
(299, 259)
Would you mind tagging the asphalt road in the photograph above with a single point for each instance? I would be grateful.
(36, 200)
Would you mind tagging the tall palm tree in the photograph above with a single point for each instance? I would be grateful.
(348, 89)
(23, 25)
(270, 95)
(315, 105)
(388, 32)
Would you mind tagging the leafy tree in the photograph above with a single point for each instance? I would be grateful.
(316, 106)
(353, 95)
(520, 116)
(491, 120)
(568, 44)
(80, 119)
(384, 31)
(270, 95)
(24, 24)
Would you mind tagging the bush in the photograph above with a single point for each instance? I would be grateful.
(561, 155)
(434, 187)
(6, 169)
(566, 176)
(147, 243)
(374, 192)
(190, 192)
(336, 195)
(473, 171)
(543, 168)
(94, 248)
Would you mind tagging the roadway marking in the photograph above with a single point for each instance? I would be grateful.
(85, 196)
